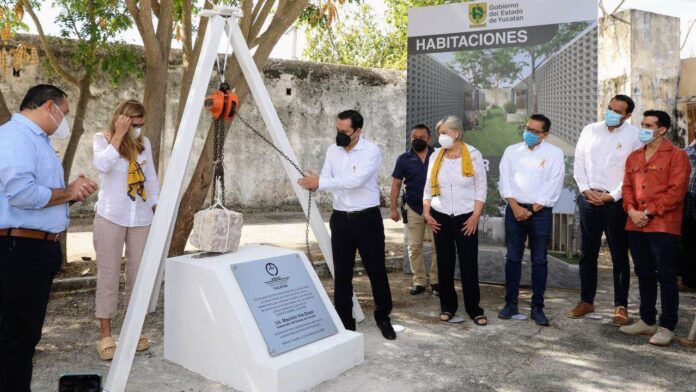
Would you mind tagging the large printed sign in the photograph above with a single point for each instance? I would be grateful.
(493, 63)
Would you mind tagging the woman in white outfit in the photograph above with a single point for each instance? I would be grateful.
(127, 199)
(453, 200)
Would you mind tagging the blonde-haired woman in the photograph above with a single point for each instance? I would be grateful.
(453, 199)
(127, 199)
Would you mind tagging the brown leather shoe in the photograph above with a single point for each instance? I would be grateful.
(581, 310)
(620, 316)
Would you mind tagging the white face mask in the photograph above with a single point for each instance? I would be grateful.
(135, 132)
(62, 130)
(446, 141)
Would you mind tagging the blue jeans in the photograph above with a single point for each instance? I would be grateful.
(538, 230)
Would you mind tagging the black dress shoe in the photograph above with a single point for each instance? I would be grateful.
(387, 330)
(539, 317)
(417, 289)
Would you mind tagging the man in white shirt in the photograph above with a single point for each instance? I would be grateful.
(350, 172)
(531, 180)
(600, 161)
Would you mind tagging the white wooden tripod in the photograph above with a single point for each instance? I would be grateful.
(147, 286)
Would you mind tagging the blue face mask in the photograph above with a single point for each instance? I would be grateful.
(646, 135)
(530, 138)
(611, 118)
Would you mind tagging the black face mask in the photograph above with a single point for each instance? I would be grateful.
(342, 140)
(419, 145)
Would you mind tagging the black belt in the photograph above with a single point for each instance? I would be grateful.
(355, 214)
(599, 190)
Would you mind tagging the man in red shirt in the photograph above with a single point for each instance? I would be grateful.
(653, 196)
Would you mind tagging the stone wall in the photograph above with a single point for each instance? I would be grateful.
(685, 125)
(307, 97)
(640, 59)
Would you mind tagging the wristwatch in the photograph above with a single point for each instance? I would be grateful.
(648, 213)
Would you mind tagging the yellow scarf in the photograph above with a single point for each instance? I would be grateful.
(467, 168)
(136, 180)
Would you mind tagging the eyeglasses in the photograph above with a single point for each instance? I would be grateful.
(536, 132)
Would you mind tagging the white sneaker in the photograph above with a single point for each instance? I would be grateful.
(663, 337)
(639, 328)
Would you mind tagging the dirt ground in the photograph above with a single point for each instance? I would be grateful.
(571, 355)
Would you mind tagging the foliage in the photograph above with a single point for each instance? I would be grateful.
(495, 134)
(510, 107)
(94, 24)
(361, 44)
(494, 202)
(346, 43)
(487, 68)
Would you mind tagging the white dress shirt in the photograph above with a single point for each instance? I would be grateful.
(532, 176)
(352, 176)
(114, 203)
(457, 193)
(600, 157)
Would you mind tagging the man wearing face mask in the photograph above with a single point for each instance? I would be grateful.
(411, 168)
(531, 180)
(33, 212)
(350, 172)
(600, 159)
(653, 192)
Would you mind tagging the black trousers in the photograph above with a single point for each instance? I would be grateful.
(450, 241)
(366, 235)
(27, 268)
(687, 261)
(653, 258)
(609, 219)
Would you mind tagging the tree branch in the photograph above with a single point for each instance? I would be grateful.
(143, 20)
(245, 22)
(260, 19)
(70, 78)
(156, 8)
(165, 25)
(188, 29)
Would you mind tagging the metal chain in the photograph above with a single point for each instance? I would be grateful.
(282, 154)
(219, 156)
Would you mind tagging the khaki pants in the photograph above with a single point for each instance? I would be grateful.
(109, 239)
(418, 230)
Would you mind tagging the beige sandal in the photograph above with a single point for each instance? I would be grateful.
(143, 344)
(105, 344)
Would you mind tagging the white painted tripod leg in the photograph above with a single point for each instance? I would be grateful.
(157, 288)
(280, 139)
(692, 334)
(160, 235)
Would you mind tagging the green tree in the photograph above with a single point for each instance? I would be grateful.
(359, 40)
(92, 24)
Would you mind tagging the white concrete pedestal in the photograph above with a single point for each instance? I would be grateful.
(209, 329)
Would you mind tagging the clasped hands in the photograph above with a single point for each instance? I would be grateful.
(639, 218)
(81, 188)
(597, 198)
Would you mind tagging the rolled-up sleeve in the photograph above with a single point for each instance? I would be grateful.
(105, 155)
(17, 170)
(480, 180)
(427, 190)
